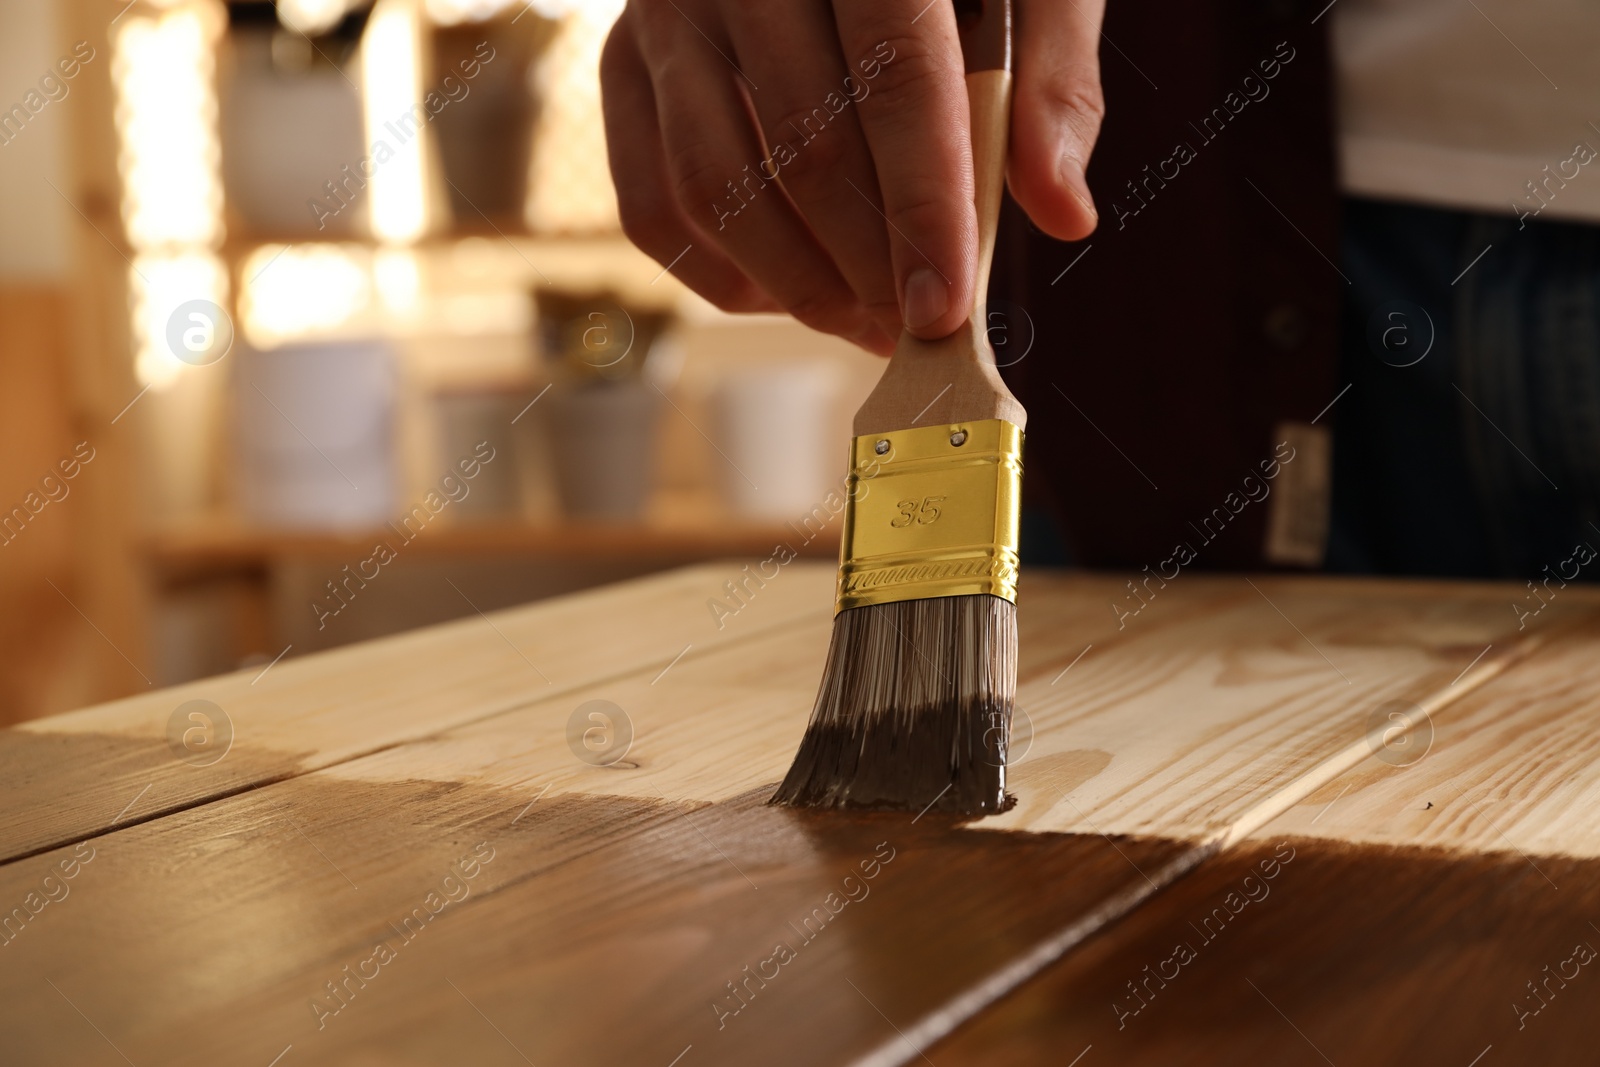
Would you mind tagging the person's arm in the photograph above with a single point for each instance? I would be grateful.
(792, 155)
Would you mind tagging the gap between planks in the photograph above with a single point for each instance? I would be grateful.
(1469, 681)
(907, 1046)
(987, 991)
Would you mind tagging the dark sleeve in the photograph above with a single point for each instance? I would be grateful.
(1171, 348)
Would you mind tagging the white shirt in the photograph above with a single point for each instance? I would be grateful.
(1491, 105)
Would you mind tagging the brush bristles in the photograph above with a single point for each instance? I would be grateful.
(914, 709)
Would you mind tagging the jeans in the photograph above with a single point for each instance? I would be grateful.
(1468, 442)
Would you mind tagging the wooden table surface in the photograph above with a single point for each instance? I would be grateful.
(403, 853)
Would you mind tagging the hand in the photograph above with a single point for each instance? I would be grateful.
(788, 155)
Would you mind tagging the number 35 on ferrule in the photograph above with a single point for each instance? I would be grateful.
(924, 512)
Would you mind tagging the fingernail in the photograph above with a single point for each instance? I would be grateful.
(1077, 183)
(927, 298)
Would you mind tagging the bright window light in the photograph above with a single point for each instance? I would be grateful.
(302, 290)
(452, 12)
(166, 117)
(391, 90)
(311, 17)
(398, 279)
(163, 75)
(164, 287)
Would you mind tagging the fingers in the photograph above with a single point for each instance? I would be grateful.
(651, 216)
(807, 109)
(916, 124)
(720, 176)
(1056, 113)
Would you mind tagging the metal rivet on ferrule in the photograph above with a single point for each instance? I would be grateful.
(958, 438)
(882, 447)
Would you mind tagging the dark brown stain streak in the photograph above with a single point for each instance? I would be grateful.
(1356, 956)
(667, 932)
(604, 931)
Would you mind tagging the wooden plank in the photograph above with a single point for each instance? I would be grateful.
(316, 866)
(1186, 728)
(1513, 767)
(71, 776)
(601, 931)
(1433, 882)
(1200, 725)
(625, 894)
(509, 759)
(1369, 955)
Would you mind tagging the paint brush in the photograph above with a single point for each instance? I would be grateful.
(914, 709)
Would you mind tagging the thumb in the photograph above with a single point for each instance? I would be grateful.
(1056, 113)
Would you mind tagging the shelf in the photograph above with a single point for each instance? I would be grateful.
(225, 545)
(242, 239)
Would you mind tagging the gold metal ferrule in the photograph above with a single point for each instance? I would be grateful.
(932, 512)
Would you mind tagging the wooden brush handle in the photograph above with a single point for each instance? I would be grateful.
(953, 379)
(985, 28)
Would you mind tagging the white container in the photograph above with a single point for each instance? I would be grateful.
(465, 418)
(285, 135)
(315, 434)
(775, 425)
(602, 440)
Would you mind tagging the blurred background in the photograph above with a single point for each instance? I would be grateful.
(316, 324)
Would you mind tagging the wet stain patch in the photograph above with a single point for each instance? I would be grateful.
(368, 923)
(1349, 955)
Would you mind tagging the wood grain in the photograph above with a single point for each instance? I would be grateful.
(1210, 711)
(601, 932)
(623, 899)
(71, 776)
(1431, 885)
(1512, 767)
(1227, 699)
(1349, 955)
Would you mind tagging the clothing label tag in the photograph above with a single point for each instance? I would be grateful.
(1297, 512)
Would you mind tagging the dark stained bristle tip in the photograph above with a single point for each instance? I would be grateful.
(914, 710)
